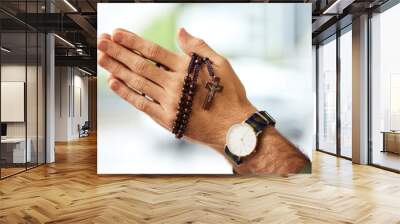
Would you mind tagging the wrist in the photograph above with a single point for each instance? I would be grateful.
(232, 118)
(274, 154)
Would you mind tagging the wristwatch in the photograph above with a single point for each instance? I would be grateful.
(241, 139)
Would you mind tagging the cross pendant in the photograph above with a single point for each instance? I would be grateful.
(212, 87)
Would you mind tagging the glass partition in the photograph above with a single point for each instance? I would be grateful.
(41, 109)
(31, 100)
(327, 96)
(22, 77)
(13, 105)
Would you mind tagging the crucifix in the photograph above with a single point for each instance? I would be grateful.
(212, 87)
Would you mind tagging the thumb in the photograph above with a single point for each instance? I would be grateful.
(190, 44)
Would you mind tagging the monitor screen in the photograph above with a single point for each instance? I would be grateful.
(3, 129)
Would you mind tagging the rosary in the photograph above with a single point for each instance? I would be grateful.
(188, 91)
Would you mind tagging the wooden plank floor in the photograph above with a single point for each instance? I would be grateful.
(69, 191)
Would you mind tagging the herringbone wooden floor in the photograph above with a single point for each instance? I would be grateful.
(69, 191)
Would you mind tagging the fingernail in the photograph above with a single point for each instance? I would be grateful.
(117, 37)
(113, 83)
(104, 36)
(103, 45)
(181, 32)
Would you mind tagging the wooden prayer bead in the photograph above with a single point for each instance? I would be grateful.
(188, 91)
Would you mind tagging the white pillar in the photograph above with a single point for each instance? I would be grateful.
(50, 99)
(360, 90)
(50, 92)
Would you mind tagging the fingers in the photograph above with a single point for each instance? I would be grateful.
(134, 62)
(130, 78)
(147, 48)
(154, 110)
(105, 36)
(190, 44)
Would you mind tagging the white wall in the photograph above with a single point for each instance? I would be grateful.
(16, 73)
(71, 94)
(33, 126)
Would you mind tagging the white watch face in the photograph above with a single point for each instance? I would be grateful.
(241, 139)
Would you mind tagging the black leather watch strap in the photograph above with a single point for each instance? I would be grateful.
(234, 158)
(260, 120)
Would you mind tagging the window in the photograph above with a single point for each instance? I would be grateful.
(346, 94)
(327, 97)
(385, 89)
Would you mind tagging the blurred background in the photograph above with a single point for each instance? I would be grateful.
(268, 45)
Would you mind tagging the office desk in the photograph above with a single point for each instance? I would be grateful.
(391, 141)
(13, 150)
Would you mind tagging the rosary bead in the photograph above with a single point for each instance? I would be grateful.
(182, 126)
(187, 79)
(185, 89)
(181, 101)
(188, 91)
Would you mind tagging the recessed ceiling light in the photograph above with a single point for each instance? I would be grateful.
(337, 7)
(64, 40)
(84, 71)
(70, 5)
(5, 49)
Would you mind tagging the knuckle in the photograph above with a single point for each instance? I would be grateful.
(118, 34)
(154, 51)
(199, 43)
(126, 96)
(117, 52)
(142, 104)
(221, 61)
(139, 66)
(117, 68)
(139, 85)
(103, 60)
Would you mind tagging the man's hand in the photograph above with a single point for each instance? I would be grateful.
(127, 57)
(131, 70)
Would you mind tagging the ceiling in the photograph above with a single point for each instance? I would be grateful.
(75, 22)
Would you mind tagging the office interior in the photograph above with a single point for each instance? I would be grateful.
(357, 83)
(48, 81)
(48, 88)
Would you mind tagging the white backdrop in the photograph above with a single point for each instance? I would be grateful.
(269, 46)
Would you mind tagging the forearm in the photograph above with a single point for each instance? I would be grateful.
(274, 154)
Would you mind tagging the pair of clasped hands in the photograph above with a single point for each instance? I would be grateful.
(131, 63)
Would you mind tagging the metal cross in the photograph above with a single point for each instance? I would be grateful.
(212, 88)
